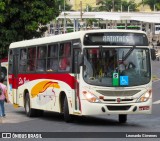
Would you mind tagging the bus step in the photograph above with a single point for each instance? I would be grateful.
(15, 105)
(77, 112)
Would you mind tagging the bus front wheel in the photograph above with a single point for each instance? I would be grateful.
(67, 116)
(122, 118)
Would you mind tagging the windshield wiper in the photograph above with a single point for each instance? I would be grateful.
(128, 53)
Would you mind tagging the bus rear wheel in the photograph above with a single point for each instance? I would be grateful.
(122, 118)
(67, 116)
(29, 111)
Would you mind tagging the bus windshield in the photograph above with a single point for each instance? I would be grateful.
(100, 66)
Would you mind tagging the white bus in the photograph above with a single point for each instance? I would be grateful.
(82, 73)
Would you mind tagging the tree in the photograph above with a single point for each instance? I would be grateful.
(152, 4)
(129, 5)
(115, 5)
(90, 21)
(24, 19)
(108, 5)
(63, 3)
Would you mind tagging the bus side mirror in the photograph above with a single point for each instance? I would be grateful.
(80, 59)
(153, 54)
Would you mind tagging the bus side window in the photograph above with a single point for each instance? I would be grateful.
(52, 58)
(41, 58)
(23, 60)
(65, 57)
(31, 59)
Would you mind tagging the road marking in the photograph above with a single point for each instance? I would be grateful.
(154, 78)
(156, 81)
(156, 102)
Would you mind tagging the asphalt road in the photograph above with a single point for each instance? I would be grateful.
(16, 120)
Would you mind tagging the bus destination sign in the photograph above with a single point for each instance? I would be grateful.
(116, 38)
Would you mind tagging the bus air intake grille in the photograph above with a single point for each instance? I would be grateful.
(118, 93)
(118, 108)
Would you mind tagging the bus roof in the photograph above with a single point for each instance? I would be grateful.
(65, 37)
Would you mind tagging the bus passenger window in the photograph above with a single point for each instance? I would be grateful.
(31, 59)
(23, 60)
(64, 57)
(41, 58)
(52, 58)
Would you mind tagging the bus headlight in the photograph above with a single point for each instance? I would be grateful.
(90, 97)
(145, 96)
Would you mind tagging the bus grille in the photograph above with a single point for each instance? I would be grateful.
(114, 100)
(118, 108)
(118, 93)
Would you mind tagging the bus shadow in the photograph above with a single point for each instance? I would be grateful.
(99, 121)
(84, 120)
(89, 120)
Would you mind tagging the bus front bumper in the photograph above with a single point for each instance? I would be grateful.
(129, 108)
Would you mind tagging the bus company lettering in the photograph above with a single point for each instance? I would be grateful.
(23, 80)
(119, 39)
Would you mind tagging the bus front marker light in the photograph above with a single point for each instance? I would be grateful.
(90, 97)
(135, 108)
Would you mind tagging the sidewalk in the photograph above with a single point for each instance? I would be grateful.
(14, 115)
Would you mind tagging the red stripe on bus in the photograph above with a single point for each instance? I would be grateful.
(24, 78)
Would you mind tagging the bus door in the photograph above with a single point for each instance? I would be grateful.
(76, 70)
(15, 77)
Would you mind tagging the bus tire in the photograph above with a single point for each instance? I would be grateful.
(67, 116)
(29, 111)
(122, 118)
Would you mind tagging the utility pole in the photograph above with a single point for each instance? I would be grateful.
(81, 9)
(128, 8)
(64, 28)
(154, 7)
(81, 22)
(64, 5)
(112, 5)
(143, 5)
(121, 6)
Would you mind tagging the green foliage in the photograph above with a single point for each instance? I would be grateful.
(131, 4)
(61, 3)
(151, 4)
(107, 5)
(25, 19)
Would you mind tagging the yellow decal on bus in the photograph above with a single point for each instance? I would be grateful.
(42, 86)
